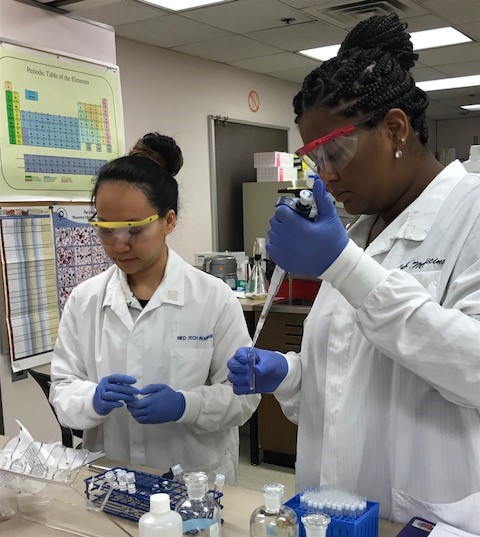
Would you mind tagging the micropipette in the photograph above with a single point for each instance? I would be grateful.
(305, 206)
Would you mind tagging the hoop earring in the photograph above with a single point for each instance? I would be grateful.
(398, 153)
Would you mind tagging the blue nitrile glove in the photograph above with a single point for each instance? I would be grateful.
(301, 246)
(111, 391)
(270, 369)
(160, 404)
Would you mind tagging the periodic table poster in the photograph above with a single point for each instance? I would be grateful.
(59, 122)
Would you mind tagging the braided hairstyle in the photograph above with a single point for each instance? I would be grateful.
(150, 166)
(370, 75)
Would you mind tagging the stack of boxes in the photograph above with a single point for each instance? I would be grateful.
(275, 166)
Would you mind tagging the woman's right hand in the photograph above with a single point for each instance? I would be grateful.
(111, 391)
(270, 369)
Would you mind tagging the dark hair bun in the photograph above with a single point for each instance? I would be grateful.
(161, 149)
(385, 33)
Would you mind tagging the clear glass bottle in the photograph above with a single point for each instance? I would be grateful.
(315, 525)
(256, 285)
(273, 519)
(199, 512)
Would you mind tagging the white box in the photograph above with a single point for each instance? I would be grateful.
(277, 174)
(272, 159)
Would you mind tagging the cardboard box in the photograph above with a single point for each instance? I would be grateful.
(277, 174)
(273, 159)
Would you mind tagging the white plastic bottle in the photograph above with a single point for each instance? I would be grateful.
(160, 521)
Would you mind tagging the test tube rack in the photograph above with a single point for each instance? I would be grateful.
(132, 506)
(366, 525)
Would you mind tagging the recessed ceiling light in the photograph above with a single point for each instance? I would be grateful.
(472, 107)
(179, 5)
(449, 83)
(438, 37)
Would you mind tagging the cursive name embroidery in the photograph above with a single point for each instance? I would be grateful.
(413, 264)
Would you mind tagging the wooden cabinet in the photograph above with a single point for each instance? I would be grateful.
(277, 436)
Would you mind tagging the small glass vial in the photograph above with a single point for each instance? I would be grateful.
(160, 521)
(315, 525)
(273, 519)
(199, 512)
(256, 285)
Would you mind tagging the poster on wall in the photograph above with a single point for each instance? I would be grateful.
(79, 254)
(30, 293)
(60, 120)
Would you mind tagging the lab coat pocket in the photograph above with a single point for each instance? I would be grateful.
(429, 279)
(462, 514)
(189, 368)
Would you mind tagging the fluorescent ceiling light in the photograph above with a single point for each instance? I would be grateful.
(449, 83)
(471, 107)
(438, 37)
(180, 5)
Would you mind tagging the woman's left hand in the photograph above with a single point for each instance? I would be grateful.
(161, 404)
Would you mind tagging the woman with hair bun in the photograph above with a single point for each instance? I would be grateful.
(140, 359)
(386, 389)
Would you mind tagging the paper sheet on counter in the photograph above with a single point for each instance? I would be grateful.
(445, 530)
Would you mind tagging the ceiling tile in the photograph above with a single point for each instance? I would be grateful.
(294, 75)
(346, 14)
(472, 29)
(460, 69)
(445, 55)
(228, 49)
(456, 11)
(115, 12)
(424, 22)
(426, 73)
(300, 4)
(169, 31)
(245, 16)
(300, 36)
(276, 62)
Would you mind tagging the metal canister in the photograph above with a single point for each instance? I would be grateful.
(223, 267)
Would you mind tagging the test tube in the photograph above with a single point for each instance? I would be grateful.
(218, 483)
(122, 480)
(251, 363)
(131, 483)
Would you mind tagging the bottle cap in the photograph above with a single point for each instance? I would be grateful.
(219, 480)
(197, 484)
(177, 469)
(273, 496)
(159, 503)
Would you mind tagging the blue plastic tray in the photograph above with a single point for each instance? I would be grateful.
(365, 525)
(132, 506)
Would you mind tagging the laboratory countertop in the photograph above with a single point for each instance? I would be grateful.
(238, 504)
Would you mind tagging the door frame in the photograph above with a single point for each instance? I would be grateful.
(212, 121)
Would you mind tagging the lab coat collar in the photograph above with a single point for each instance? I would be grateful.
(171, 289)
(415, 222)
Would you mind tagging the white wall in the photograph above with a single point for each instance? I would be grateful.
(174, 94)
(36, 26)
(458, 133)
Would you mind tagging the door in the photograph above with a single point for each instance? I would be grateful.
(232, 145)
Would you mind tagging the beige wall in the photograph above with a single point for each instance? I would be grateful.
(174, 94)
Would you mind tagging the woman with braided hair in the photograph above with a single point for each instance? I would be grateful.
(140, 359)
(386, 389)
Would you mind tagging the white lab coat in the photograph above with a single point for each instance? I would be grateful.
(390, 362)
(183, 337)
